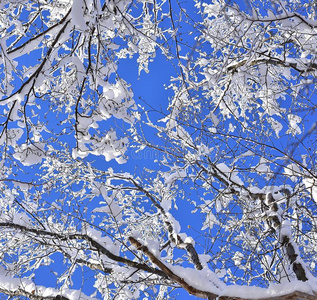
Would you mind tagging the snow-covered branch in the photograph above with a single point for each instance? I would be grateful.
(222, 292)
(95, 245)
(21, 287)
(149, 148)
(283, 227)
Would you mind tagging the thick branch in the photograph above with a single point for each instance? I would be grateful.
(209, 295)
(190, 289)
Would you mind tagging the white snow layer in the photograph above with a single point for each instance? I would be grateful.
(14, 284)
(274, 290)
(78, 15)
(311, 186)
(208, 281)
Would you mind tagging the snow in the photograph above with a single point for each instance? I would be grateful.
(78, 64)
(21, 284)
(21, 219)
(210, 219)
(108, 146)
(30, 154)
(233, 175)
(311, 186)
(78, 153)
(294, 120)
(262, 167)
(166, 204)
(109, 206)
(175, 223)
(293, 171)
(214, 118)
(112, 209)
(211, 10)
(204, 259)
(105, 241)
(286, 229)
(273, 290)
(237, 258)
(13, 135)
(235, 178)
(204, 280)
(78, 15)
(178, 174)
(23, 186)
(153, 247)
(223, 168)
(276, 125)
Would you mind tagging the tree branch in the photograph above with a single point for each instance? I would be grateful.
(24, 287)
(190, 289)
(205, 294)
(77, 236)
